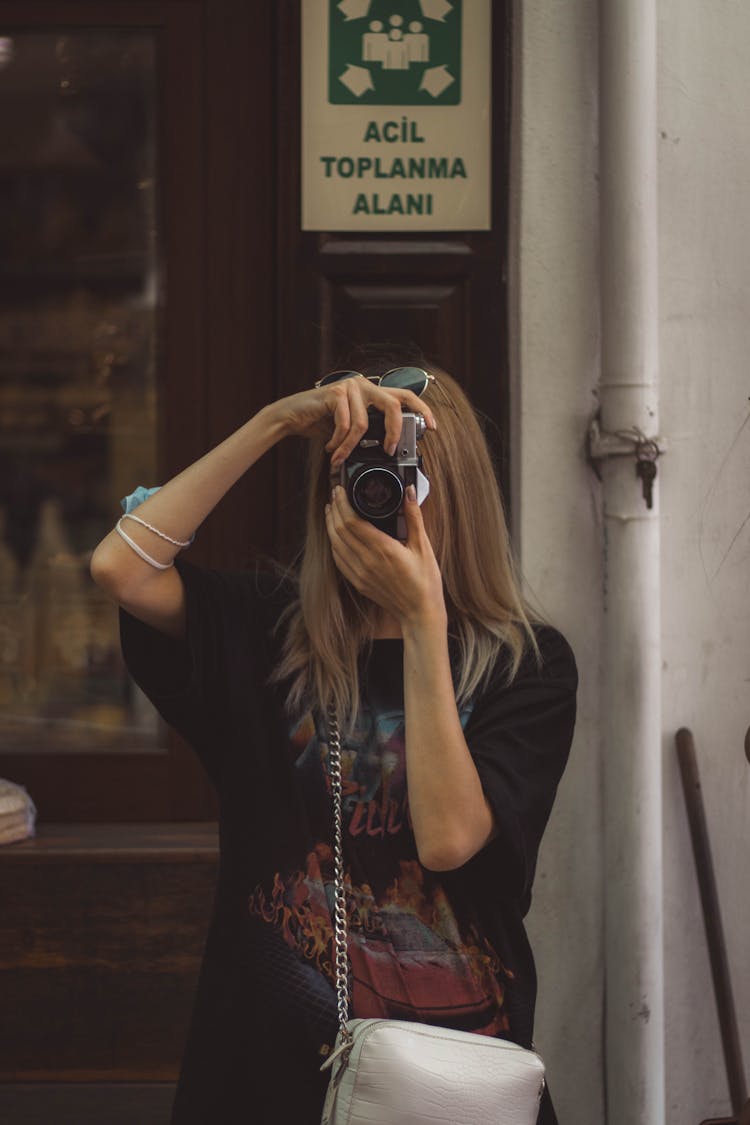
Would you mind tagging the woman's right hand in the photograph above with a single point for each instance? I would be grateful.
(338, 412)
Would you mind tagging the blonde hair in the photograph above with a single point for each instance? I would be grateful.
(330, 624)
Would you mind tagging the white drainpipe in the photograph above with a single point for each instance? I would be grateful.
(631, 668)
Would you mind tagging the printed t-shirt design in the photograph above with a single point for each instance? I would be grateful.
(412, 956)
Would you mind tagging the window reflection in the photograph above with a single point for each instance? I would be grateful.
(78, 350)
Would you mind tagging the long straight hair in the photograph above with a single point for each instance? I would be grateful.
(329, 626)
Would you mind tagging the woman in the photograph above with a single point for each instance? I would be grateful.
(456, 709)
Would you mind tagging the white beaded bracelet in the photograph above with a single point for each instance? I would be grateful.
(162, 534)
(139, 550)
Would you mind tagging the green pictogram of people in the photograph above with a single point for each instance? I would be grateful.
(395, 52)
(396, 49)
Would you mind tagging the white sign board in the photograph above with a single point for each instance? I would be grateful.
(396, 104)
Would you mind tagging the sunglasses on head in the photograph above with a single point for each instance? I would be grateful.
(403, 378)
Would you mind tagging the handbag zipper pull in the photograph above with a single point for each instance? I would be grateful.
(343, 1048)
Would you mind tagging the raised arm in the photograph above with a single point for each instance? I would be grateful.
(178, 509)
(338, 412)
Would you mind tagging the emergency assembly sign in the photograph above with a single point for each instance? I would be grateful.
(396, 115)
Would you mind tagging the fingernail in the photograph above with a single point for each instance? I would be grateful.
(392, 449)
(411, 492)
(328, 508)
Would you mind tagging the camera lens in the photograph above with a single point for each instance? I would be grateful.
(377, 493)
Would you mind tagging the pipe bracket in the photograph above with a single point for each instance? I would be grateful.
(631, 442)
(620, 443)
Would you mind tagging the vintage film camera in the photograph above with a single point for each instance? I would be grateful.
(375, 482)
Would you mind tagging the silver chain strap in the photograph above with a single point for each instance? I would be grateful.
(339, 918)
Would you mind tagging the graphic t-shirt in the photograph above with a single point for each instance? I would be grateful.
(445, 947)
(412, 954)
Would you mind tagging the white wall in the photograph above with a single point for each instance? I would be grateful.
(704, 173)
(555, 326)
(704, 68)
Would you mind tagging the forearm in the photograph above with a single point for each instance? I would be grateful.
(449, 812)
(183, 503)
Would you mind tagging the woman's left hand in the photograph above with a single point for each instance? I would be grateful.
(403, 578)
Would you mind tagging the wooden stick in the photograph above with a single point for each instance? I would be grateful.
(712, 919)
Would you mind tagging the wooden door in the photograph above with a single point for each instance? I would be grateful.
(445, 292)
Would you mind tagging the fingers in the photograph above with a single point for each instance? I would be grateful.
(343, 558)
(346, 548)
(358, 423)
(348, 528)
(392, 401)
(348, 403)
(337, 401)
(391, 405)
(414, 520)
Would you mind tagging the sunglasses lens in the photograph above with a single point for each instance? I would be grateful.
(336, 377)
(406, 379)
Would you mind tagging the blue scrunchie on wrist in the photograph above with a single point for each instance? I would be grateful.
(130, 502)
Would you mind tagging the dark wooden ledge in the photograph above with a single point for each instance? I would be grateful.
(102, 931)
(183, 842)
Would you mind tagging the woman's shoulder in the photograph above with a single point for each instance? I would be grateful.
(534, 706)
(556, 656)
(549, 657)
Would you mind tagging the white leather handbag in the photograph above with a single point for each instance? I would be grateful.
(395, 1072)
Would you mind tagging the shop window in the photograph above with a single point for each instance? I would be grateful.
(79, 349)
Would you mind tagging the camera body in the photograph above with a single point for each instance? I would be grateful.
(375, 482)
